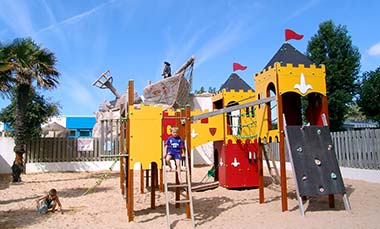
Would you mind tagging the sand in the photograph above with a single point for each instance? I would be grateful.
(217, 208)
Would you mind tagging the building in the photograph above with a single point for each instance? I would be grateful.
(78, 126)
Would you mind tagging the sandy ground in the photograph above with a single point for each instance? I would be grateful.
(217, 208)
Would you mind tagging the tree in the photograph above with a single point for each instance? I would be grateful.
(38, 111)
(211, 90)
(200, 91)
(354, 113)
(5, 78)
(332, 46)
(27, 66)
(370, 94)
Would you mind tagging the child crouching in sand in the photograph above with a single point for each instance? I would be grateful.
(49, 201)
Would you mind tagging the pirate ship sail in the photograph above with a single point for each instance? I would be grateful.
(174, 91)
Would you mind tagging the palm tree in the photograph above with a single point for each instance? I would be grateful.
(26, 66)
(5, 78)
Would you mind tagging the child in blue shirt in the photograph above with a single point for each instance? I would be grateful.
(174, 149)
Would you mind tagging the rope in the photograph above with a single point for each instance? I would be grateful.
(101, 179)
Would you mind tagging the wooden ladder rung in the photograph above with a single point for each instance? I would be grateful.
(182, 201)
(176, 185)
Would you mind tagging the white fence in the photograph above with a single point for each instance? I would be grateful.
(358, 149)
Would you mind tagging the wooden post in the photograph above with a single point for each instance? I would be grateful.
(147, 177)
(153, 172)
(180, 132)
(130, 201)
(284, 191)
(122, 149)
(142, 179)
(188, 137)
(261, 174)
(161, 180)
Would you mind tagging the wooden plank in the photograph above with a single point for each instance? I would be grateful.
(205, 186)
(364, 148)
(377, 148)
(345, 157)
(351, 139)
(371, 148)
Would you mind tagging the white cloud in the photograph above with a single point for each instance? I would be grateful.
(374, 50)
(75, 18)
(300, 11)
(224, 41)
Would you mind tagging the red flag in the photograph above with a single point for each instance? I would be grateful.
(290, 34)
(237, 66)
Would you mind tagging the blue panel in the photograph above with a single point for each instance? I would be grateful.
(80, 122)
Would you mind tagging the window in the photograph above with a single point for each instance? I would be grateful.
(72, 134)
(84, 133)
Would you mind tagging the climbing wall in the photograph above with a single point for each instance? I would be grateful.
(314, 161)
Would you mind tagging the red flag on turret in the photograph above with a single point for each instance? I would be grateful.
(290, 34)
(237, 66)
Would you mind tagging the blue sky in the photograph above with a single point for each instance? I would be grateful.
(132, 38)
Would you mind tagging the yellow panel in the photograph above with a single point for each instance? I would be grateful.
(145, 138)
(248, 124)
(202, 133)
(218, 96)
(302, 80)
(262, 80)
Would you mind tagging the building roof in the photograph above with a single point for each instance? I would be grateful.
(234, 82)
(287, 54)
(54, 127)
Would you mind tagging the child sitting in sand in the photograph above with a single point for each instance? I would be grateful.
(49, 201)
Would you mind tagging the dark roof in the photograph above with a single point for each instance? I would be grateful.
(236, 83)
(287, 54)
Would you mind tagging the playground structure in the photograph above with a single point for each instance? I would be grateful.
(240, 124)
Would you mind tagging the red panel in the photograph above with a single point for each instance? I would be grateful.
(238, 165)
(167, 120)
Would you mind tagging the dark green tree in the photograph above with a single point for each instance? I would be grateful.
(332, 46)
(212, 90)
(38, 111)
(27, 66)
(369, 95)
(200, 91)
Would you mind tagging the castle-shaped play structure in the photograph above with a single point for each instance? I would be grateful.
(241, 125)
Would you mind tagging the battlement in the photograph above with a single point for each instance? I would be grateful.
(280, 67)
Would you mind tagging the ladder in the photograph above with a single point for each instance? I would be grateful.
(267, 150)
(186, 185)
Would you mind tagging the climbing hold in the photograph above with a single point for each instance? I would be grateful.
(333, 176)
(317, 161)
